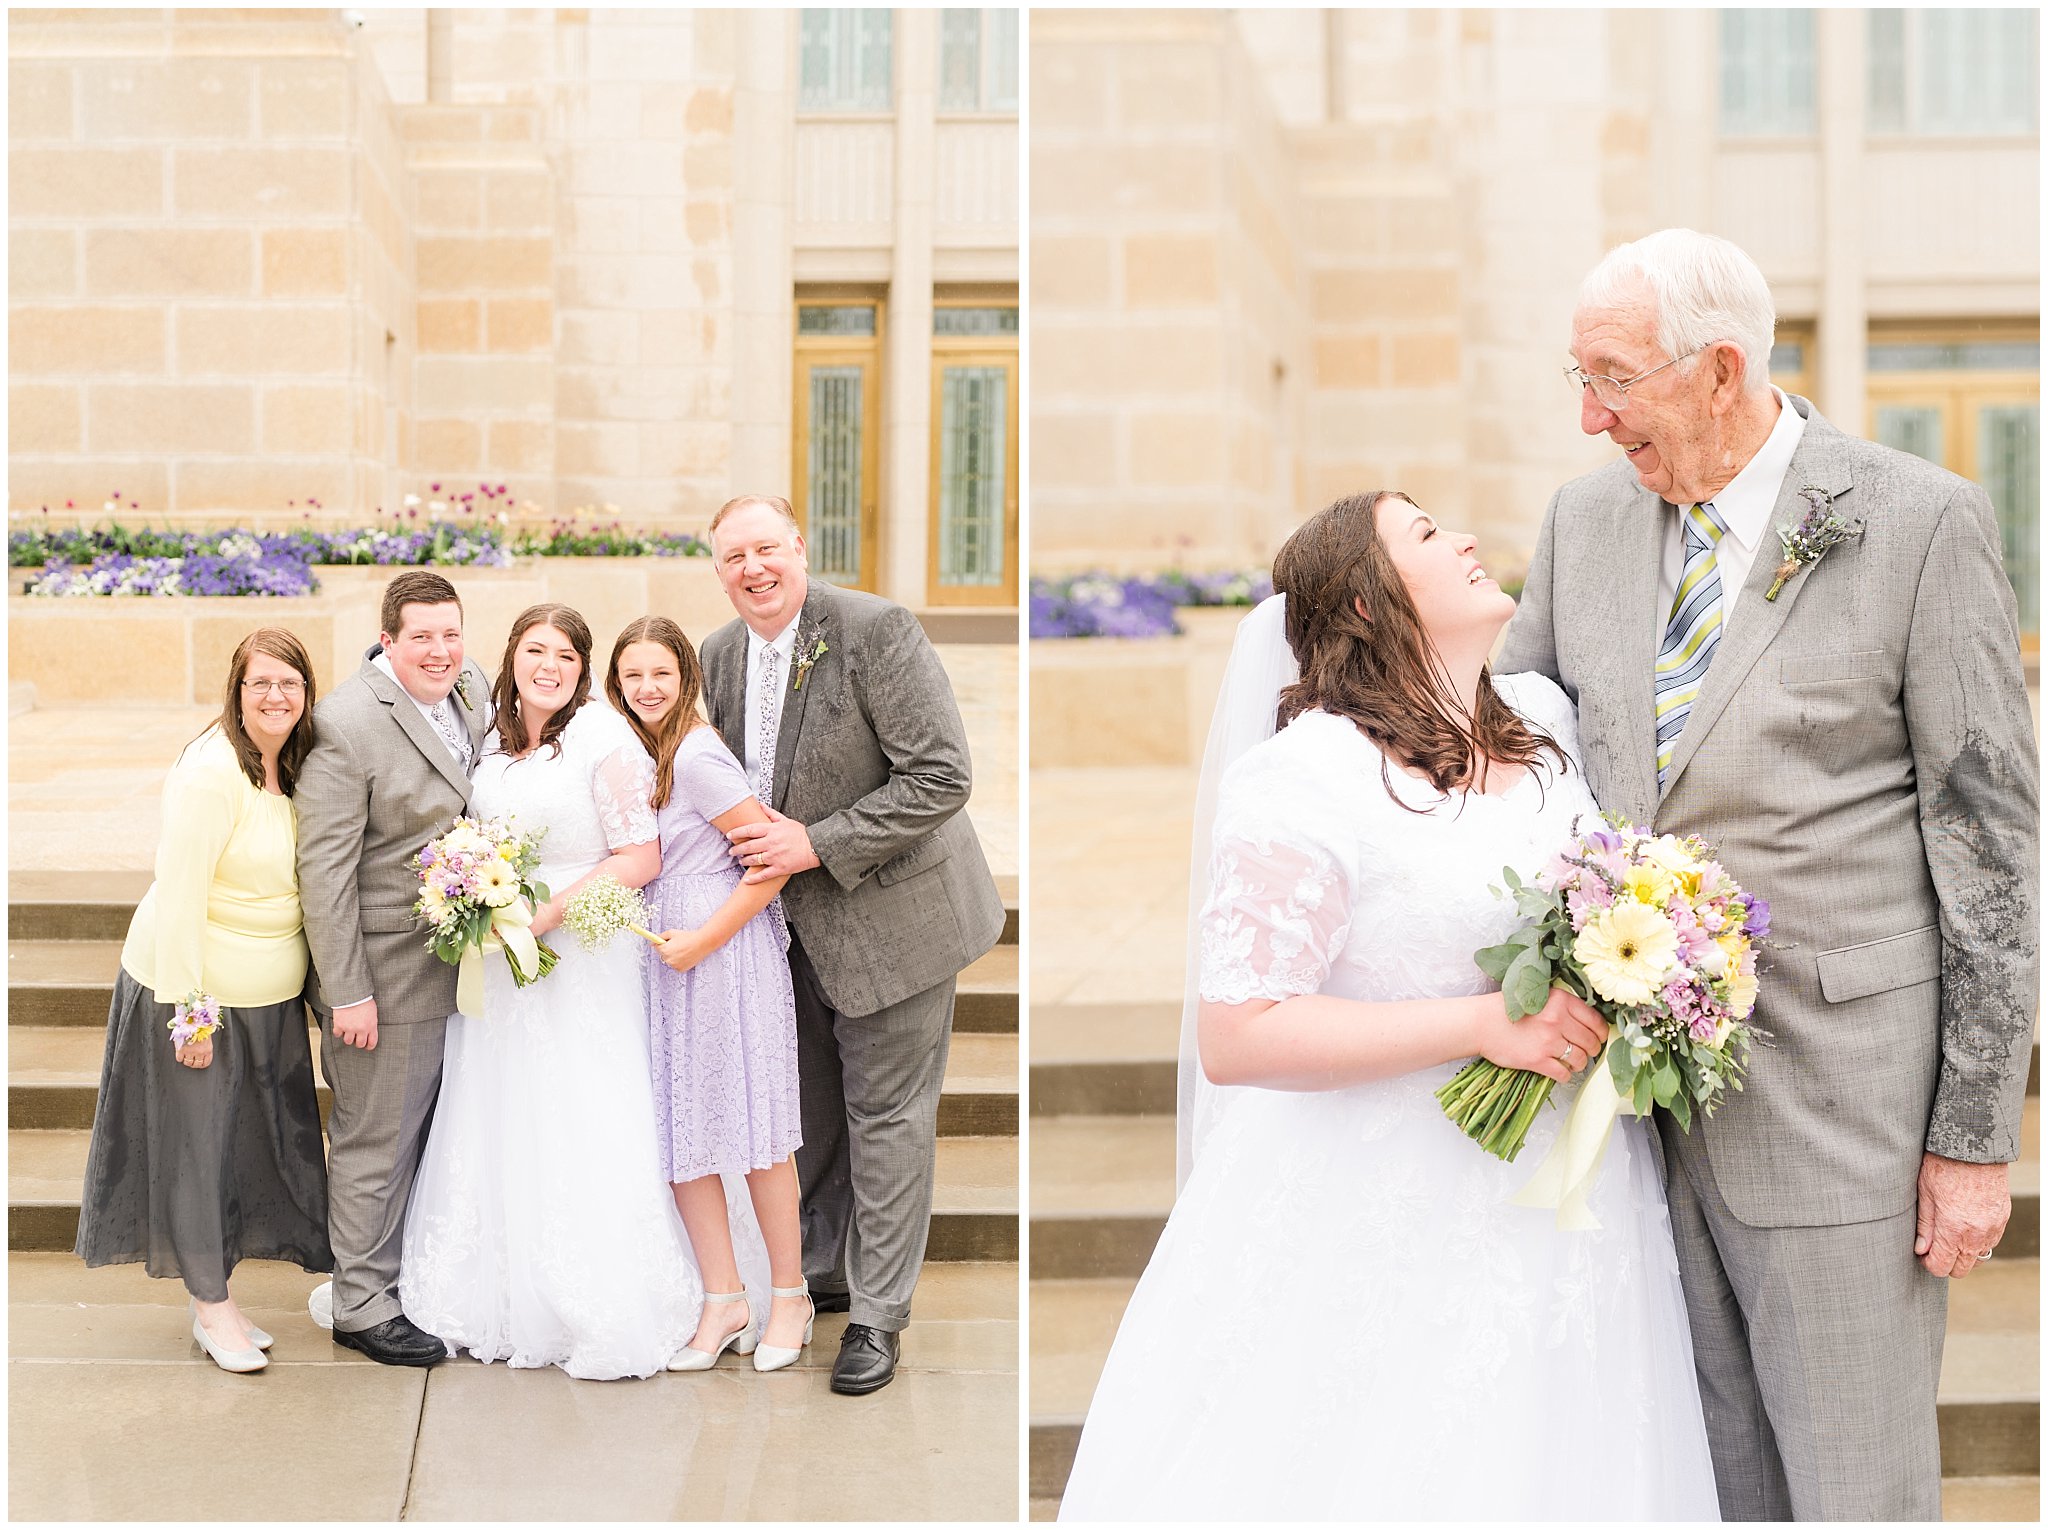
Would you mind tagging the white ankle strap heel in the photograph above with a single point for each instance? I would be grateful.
(773, 1357)
(741, 1341)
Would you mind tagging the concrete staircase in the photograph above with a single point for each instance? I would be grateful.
(1102, 1164)
(64, 942)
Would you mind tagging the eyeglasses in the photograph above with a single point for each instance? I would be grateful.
(284, 688)
(1612, 392)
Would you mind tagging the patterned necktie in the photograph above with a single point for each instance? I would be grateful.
(1692, 634)
(771, 716)
(451, 730)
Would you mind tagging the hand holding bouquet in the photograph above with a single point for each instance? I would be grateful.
(1651, 931)
(478, 893)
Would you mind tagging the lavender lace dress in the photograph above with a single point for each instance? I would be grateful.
(722, 1035)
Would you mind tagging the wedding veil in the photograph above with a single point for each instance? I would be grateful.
(1261, 666)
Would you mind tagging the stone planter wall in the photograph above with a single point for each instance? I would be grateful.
(1129, 701)
(145, 649)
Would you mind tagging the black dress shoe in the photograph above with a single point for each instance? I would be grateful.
(832, 1301)
(395, 1341)
(867, 1360)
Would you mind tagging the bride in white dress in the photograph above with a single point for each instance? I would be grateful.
(1345, 1317)
(541, 1231)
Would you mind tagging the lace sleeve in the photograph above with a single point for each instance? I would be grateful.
(1278, 914)
(708, 778)
(623, 786)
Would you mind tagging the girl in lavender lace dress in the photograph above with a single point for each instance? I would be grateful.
(721, 1013)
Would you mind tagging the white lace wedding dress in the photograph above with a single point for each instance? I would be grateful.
(1345, 1318)
(541, 1231)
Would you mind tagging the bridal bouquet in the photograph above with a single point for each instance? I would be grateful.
(1652, 932)
(478, 893)
(605, 907)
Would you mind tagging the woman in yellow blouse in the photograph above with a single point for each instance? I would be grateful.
(206, 1146)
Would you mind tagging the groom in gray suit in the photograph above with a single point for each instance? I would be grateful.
(845, 720)
(1845, 721)
(393, 748)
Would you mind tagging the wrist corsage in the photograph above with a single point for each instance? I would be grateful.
(195, 1017)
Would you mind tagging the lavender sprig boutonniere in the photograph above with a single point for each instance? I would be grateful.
(1805, 543)
(462, 691)
(806, 658)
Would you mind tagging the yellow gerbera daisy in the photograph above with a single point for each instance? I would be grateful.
(1626, 952)
(1649, 883)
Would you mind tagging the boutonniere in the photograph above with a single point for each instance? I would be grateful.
(805, 659)
(462, 690)
(1808, 541)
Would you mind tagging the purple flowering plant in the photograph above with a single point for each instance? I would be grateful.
(1108, 605)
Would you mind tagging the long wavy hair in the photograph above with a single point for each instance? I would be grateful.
(686, 714)
(512, 734)
(272, 643)
(1377, 666)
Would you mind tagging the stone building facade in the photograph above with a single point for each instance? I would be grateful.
(267, 259)
(1282, 255)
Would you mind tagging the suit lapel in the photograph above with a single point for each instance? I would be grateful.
(416, 727)
(813, 623)
(1818, 463)
(1637, 543)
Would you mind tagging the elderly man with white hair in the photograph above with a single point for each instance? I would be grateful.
(1803, 647)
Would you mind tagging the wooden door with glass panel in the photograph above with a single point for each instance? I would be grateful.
(838, 438)
(1971, 400)
(973, 528)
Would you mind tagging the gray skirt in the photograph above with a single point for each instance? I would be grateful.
(194, 1169)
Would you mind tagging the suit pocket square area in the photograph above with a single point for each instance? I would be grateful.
(1877, 966)
(922, 856)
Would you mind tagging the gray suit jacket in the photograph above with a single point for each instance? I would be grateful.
(871, 756)
(1862, 756)
(378, 785)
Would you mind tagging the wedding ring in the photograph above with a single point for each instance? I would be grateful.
(1565, 1056)
(1985, 1255)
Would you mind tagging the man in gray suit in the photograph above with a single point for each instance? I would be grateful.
(844, 718)
(1850, 730)
(393, 748)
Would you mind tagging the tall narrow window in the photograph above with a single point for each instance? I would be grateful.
(838, 437)
(1954, 71)
(1767, 72)
(974, 454)
(844, 60)
(978, 61)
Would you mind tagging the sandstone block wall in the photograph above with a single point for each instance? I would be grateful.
(212, 309)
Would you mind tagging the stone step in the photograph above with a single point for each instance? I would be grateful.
(1989, 1399)
(974, 1212)
(71, 982)
(75, 905)
(1122, 1059)
(1991, 1500)
(53, 1075)
(1101, 1188)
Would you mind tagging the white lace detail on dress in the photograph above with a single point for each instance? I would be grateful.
(623, 787)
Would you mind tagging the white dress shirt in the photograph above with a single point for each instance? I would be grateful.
(1745, 507)
(784, 644)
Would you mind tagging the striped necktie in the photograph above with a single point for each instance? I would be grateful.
(1692, 634)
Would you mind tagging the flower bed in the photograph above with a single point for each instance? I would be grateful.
(469, 530)
(1103, 605)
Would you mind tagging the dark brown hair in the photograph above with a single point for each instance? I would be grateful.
(273, 643)
(682, 717)
(1380, 669)
(414, 587)
(566, 620)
